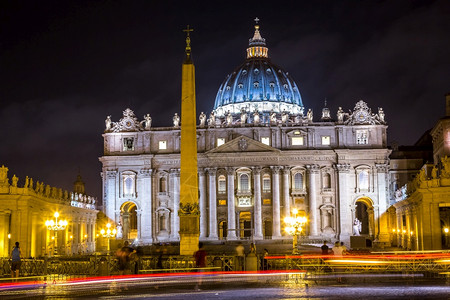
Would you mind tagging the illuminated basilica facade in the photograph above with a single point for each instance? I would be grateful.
(261, 154)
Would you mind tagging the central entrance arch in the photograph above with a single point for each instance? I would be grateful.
(364, 213)
(128, 215)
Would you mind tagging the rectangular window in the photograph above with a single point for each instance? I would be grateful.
(162, 145)
(297, 141)
(362, 137)
(265, 140)
(326, 141)
(267, 202)
(220, 142)
(222, 202)
(128, 144)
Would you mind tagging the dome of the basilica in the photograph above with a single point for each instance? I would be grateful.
(258, 84)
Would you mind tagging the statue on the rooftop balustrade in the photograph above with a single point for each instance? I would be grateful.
(147, 122)
(381, 114)
(15, 179)
(340, 115)
(309, 115)
(243, 117)
(212, 120)
(273, 118)
(229, 119)
(3, 174)
(284, 117)
(176, 120)
(202, 119)
(256, 117)
(108, 123)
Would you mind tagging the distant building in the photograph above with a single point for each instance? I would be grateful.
(261, 153)
(420, 216)
(25, 209)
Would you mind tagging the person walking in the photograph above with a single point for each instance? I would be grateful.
(123, 255)
(240, 255)
(325, 248)
(200, 263)
(15, 257)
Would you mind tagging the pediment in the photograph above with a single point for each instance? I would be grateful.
(243, 144)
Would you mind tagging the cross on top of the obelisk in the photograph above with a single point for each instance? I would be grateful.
(188, 30)
(256, 20)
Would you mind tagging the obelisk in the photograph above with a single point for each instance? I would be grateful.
(189, 209)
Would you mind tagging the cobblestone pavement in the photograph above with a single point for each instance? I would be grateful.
(238, 286)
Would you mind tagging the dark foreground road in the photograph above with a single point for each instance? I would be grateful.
(236, 286)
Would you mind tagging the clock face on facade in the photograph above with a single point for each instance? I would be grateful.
(128, 124)
(361, 116)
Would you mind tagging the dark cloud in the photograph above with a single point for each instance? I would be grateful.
(66, 65)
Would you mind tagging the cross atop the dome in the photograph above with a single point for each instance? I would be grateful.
(188, 40)
(256, 20)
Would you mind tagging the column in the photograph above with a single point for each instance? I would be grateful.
(109, 201)
(345, 219)
(286, 202)
(276, 201)
(212, 204)
(383, 233)
(258, 235)
(313, 170)
(231, 223)
(202, 203)
(174, 233)
(145, 225)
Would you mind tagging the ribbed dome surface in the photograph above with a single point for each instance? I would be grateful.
(258, 85)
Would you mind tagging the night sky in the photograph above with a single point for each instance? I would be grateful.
(66, 65)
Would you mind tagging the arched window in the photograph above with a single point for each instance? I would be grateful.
(298, 181)
(243, 182)
(363, 180)
(326, 181)
(162, 185)
(128, 184)
(222, 184)
(266, 183)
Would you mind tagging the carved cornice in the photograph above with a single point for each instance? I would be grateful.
(382, 168)
(189, 209)
(275, 169)
(146, 172)
(211, 171)
(230, 170)
(342, 168)
(256, 170)
(313, 168)
(111, 173)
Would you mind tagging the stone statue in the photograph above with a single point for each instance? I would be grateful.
(27, 181)
(434, 172)
(340, 115)
(14, 180)
(422, 176)
(212, 120)
(31, 183)
(273, 117)
(445, 172)
(243, 117)
(229, 119)
(297, 119)
(108, 123)
(256, 117)
(176, 120)
(284, 117)
(356, 227)
(66, 195)
(381, 114)
(3, 174)
(202, 119)
(119, 234)
(147, 122)
(47, 191)
(309, 115)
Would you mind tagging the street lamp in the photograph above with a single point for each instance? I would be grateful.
(294, 226)
(55, 226)
(108, 233)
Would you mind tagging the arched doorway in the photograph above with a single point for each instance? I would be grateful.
(364, 213)
(245, 224)
(223, 230)
(129, 221)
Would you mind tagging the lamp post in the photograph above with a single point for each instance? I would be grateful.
(294, 226)
(55, 226)
(108, 233)
(446, 231)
